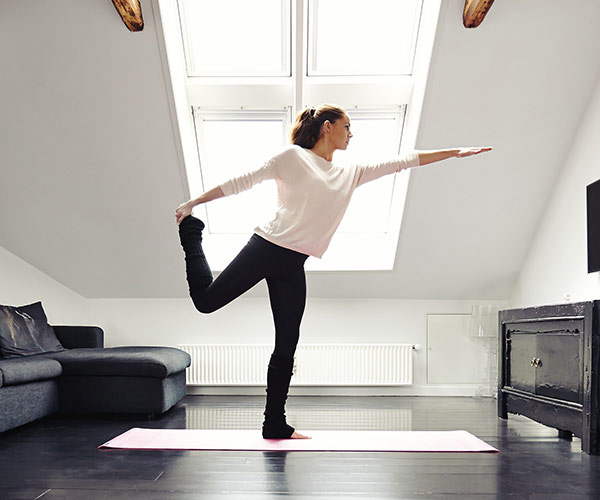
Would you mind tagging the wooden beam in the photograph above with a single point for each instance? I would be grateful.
(475, 11)
(131, 13)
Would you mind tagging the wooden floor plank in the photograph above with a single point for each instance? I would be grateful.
(57, 458)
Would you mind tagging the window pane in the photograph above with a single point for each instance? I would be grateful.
(236, 37)
(231, 146)
(362, 37)
(375, 138)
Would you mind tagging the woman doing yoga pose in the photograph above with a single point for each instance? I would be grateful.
(313, 194)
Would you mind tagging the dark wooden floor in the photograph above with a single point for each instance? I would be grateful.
(58, 457)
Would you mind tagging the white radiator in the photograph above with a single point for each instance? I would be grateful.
(323, 365)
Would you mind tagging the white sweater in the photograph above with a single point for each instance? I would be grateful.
(313, 195)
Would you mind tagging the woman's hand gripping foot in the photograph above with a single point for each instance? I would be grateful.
(183, 211)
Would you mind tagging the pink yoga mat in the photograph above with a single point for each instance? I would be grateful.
(251, 440)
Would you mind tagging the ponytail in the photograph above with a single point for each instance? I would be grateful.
(307, 127)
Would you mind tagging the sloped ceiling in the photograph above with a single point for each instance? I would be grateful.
(90, 174)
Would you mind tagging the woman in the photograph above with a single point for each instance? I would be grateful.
(313, 195)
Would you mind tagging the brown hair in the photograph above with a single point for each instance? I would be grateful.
(307, 127)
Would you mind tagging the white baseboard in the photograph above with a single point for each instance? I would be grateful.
(424, 390)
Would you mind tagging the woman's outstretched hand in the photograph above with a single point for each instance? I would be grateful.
(427, 157)
(464, 152)
(183, 211)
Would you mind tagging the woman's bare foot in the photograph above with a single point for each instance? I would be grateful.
(297, 435)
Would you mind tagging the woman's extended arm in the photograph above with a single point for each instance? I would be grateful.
(185, 209)
(426, 157)
(366, 173)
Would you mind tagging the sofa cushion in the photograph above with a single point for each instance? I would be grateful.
(25, 331)
(159, 362)
(24, 370)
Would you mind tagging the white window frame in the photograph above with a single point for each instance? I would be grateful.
(292, 93)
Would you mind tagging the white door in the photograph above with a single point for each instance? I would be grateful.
(453, 357)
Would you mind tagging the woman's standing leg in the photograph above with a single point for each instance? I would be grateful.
(287, 293)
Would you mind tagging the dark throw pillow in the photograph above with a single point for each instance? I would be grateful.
(25, 330)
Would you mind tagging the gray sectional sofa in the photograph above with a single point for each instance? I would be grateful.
(88, 378)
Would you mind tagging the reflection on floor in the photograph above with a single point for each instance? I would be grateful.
(384, 419)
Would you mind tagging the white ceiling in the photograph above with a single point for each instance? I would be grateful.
(90, 174)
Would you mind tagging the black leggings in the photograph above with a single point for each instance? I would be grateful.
(284, 271)
(259, 259)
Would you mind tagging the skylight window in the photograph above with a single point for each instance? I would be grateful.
(231, 144)
(240, 72)
(236, 37)
(358, 37)
(376, 137)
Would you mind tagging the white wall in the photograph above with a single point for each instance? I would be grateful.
(245, 321)
(556, 264)
(23, 284)
(248, 321)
